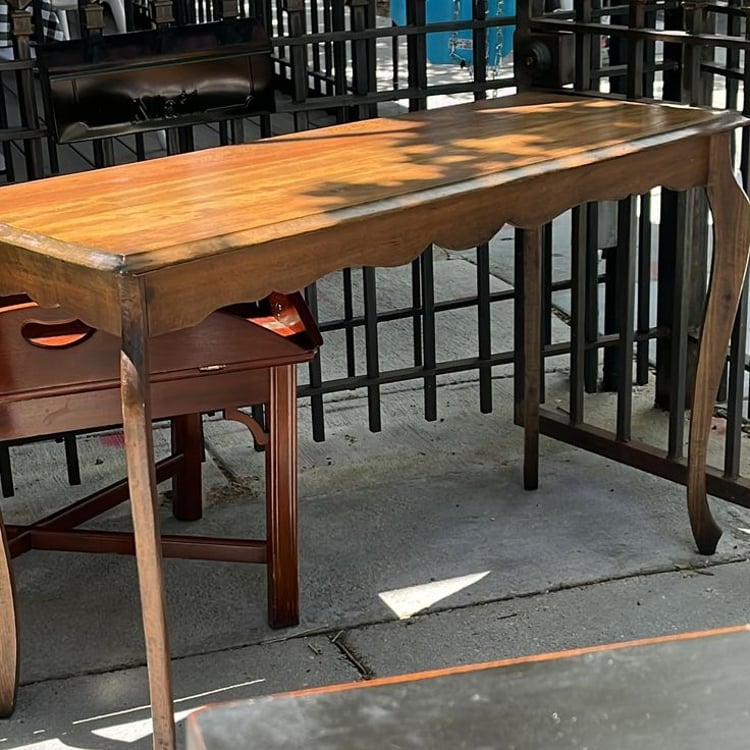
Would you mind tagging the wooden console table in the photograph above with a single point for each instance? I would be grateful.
(151, 247)
(650, 693)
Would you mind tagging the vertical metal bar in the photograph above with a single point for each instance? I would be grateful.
(737, 367)
(649, 53)
(579, 252)
(295, 10)
(546, 285)
(583, 50)
(416, 51)
(625, 295)
(636, 51)
(644, 290)
(736, 390)
(104, 155)
(519, 343)
(372, 55)
(416, 307)
(237, 127)
(479, 46)
(351, 354)
(361, 56)
(670, 215)
(328, 47)
(584, 249)
(533, 375)
(591, 325)
(394, 59)
(6, 471)
(7, 153)
(264, 121)
(610, 366)
(315, 27)
(696, 92)
(616, 317)
(71, 459)
(140, 147)
(338, 23)
(21, 25)
(315, 374)
(484, 328)
(372, 354)
(546, 309)
(681, 229)
(428, 336)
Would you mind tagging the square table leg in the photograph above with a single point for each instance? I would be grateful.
(139, 453)
(282, 563)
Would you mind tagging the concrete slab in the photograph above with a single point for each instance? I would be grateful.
(419, 504)
(110, 709)
(605, 612)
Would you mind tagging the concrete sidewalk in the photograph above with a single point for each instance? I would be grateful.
(419, 549)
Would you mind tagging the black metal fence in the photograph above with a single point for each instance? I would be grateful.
(337, 61)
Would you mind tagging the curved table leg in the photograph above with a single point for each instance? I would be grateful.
(139, 453)
(8, 630)
(731, 215)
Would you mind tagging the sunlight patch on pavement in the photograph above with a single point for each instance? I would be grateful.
(132, 731)
(412, 599)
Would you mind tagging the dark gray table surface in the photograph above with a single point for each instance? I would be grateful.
(675, 694)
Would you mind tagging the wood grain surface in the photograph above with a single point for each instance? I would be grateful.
(267, 188)
(152, 247)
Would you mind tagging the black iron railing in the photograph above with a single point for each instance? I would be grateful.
(336, 61)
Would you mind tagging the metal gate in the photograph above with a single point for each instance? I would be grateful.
(336, 61)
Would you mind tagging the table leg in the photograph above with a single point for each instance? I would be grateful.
(8, 630)
(731, 215)
(532, 354)
(281, 499)
(139, 452)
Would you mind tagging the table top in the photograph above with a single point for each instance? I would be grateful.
(305, 204)
(251, 193)
(684, 692)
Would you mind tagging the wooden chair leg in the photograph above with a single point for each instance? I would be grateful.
(281, 499)
(187, 485)
(8, 630)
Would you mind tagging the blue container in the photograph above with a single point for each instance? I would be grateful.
(456, 46)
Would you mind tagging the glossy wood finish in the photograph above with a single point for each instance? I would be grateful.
(231, 224)
(281, 502)
(398, 183)
(729, 206)
(139, 455)
(8, 630)
(59, 375)
(639, 694)
(187, 439)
